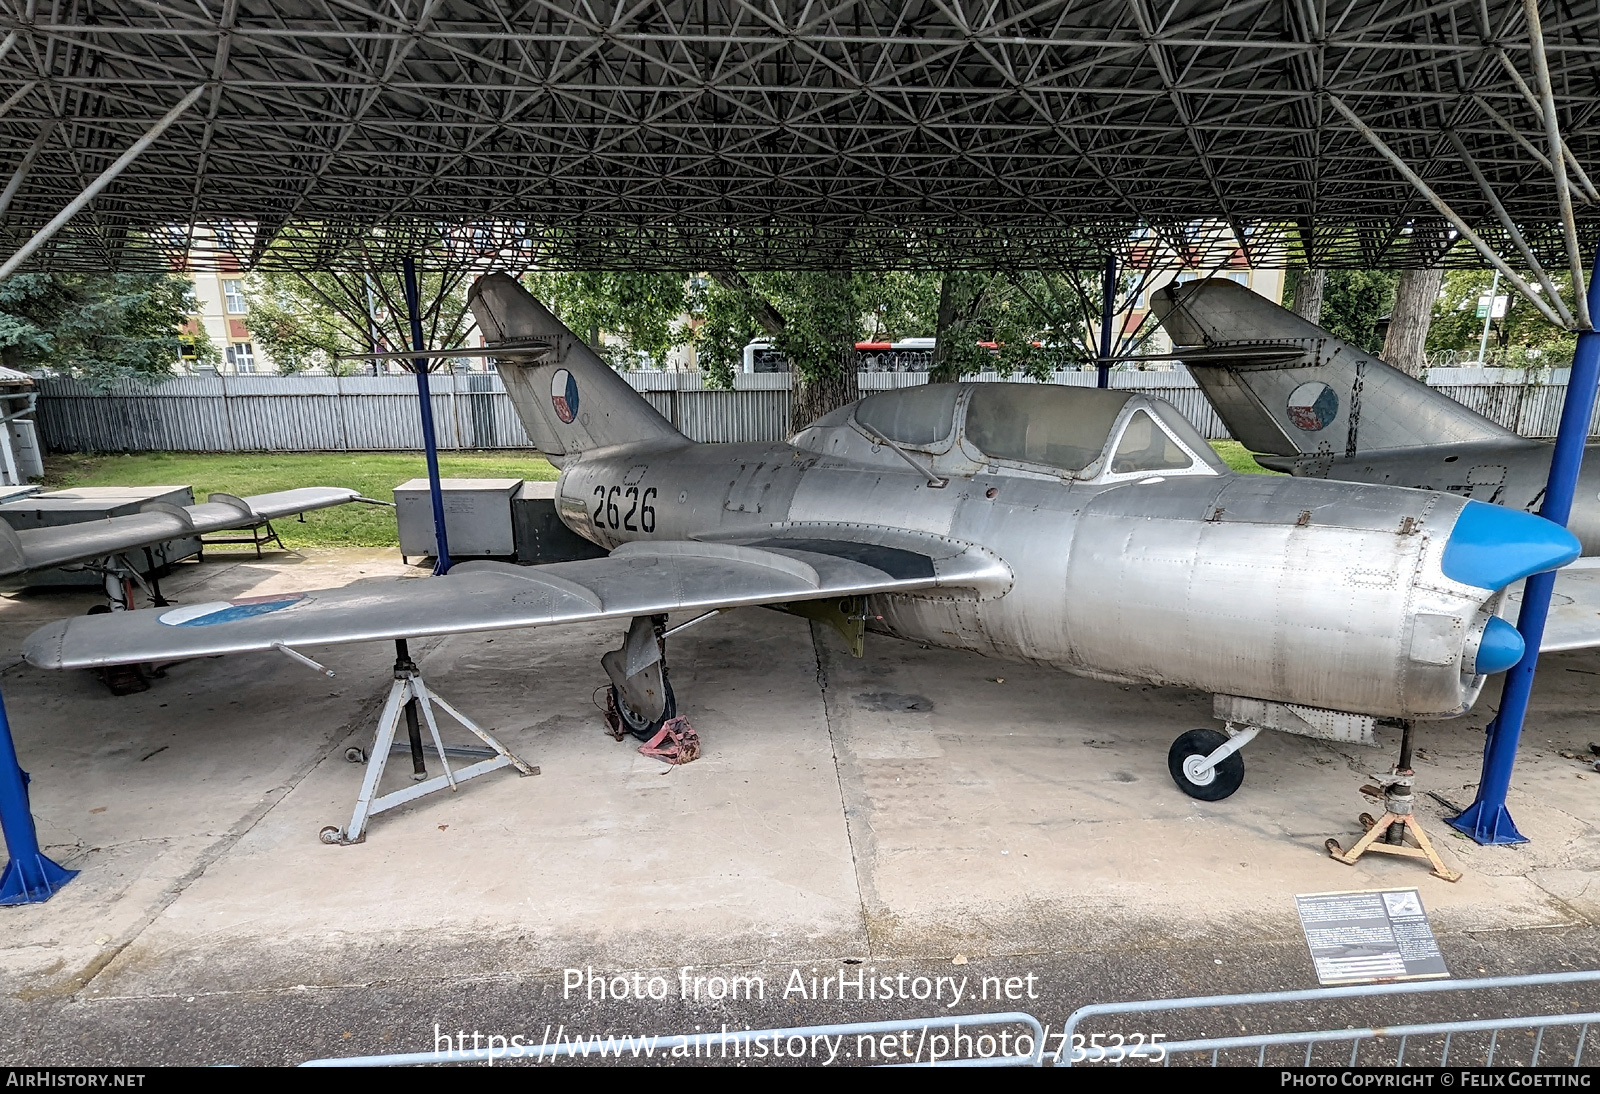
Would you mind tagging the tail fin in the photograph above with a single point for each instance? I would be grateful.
(1285, 386)
(569, 400)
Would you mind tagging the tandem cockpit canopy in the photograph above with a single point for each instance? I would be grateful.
(1088, 433)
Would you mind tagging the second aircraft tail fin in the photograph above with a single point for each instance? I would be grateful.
(1285, 386)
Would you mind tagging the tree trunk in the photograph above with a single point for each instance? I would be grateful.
(1308, 294)
(812, 398)
(1405, 345)
(765, 314)
(958, 305)
(939, 371)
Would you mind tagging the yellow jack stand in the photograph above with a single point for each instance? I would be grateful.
(1387, 834)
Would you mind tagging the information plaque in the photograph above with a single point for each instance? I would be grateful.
(1372, 935)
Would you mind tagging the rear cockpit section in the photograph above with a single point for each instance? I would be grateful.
(1031, 430)
(1042, 425)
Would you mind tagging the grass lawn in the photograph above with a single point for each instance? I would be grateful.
(374, 474)
(1238, 457)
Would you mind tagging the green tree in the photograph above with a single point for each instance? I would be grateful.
(1518, 339)
(1038, 322)
(900, 305)
(306, 320)
(640, 310)
(1353, 301)
(724, 321)
(99, 327)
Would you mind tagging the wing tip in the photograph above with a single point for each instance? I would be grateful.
(43, 648)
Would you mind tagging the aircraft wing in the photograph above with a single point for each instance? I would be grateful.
(1574, 620)
(641, 578)
(42, 548)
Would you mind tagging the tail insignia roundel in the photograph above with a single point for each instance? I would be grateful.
(564, 395)
(1313, 406)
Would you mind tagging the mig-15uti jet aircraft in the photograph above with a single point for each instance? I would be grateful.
(1311, 404)
(1092, 531)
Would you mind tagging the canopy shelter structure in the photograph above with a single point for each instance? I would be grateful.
(775, 134)
(695, 134)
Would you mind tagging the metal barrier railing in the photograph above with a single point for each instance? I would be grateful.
(939, 1039)
(740, 1045)
(1074, 1048)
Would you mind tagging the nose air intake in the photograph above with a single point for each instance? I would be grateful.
(1492, 546)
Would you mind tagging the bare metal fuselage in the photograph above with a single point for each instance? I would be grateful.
(1321, 594)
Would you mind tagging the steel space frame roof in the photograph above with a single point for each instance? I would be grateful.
(702, 134)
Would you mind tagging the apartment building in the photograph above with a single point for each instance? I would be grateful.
(220, 307)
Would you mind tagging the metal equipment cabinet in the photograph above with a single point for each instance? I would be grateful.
(477, 517)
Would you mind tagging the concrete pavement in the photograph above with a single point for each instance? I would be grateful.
(904, 811)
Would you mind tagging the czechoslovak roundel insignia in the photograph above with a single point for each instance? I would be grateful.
(1312, 406)
(564, 395)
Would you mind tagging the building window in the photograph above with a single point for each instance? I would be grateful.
(1241, 278)
(241, 355)
(234, 292)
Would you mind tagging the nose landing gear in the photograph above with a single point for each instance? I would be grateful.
(1206, 764)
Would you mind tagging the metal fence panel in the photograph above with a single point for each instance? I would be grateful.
(1517, 1039)
(473, 411)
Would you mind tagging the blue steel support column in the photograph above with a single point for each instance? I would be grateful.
(30, 877)
(430, 445)
(1108, 309)
(1486, 819)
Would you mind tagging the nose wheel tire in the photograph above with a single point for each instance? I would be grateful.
(1186, 763)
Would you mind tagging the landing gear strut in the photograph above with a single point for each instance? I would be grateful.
(640, 701)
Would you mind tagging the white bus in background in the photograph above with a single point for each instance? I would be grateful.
(759, 356)
(906, 355)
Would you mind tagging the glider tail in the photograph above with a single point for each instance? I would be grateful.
(1287, 387)
(569, 399)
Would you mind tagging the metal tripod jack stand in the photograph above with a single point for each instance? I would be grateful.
(407, 697)
(1387, 834)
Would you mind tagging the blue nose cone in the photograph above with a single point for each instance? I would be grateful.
(1500, 648)
(1492, 546)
